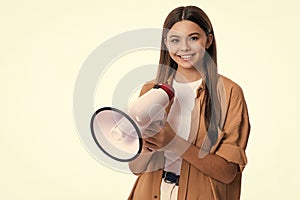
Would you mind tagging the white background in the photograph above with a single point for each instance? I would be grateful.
(43, 45)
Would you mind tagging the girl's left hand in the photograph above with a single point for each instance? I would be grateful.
(164, 136)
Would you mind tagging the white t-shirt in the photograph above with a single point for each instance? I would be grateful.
(179, 118)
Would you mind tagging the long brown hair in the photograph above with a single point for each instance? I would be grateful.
(167, 66)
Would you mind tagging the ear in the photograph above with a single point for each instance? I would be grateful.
(209, 41)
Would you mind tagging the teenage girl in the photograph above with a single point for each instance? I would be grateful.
(199, 152)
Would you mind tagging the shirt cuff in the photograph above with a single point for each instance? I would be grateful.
(233, 153)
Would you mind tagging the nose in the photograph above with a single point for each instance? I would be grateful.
(185, 46)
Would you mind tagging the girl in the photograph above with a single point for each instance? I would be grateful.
(199, 152)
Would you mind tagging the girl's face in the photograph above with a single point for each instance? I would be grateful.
(186, 43)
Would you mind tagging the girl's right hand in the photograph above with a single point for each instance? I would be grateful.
(150, 131)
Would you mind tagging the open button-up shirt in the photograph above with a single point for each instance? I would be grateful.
(230, 145)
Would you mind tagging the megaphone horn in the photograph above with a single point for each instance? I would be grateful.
(118, 134)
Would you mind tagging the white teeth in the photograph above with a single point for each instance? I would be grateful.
(186, 57)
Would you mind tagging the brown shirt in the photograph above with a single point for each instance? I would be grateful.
(231, 145)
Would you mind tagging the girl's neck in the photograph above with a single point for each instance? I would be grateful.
(185, 75)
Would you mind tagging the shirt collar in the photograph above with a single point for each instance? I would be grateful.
(201, 88)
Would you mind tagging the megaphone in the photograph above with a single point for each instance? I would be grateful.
(118, 134)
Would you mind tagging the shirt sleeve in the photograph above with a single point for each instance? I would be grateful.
(236, 130)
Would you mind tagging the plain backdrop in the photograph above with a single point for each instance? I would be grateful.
(43, 45)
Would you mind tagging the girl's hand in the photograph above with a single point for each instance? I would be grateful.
(158, 136)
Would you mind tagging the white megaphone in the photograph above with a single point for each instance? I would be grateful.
(119, 135)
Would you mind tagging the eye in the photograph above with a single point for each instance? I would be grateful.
(194, 38)
(174, 40)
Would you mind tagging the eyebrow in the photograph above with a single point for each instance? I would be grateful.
(195, 33)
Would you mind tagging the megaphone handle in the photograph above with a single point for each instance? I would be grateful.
(154, 128)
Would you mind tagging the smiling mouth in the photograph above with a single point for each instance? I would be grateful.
(186, 57)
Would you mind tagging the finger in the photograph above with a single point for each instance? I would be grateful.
(149, 133)
(150, 146)
(146, 149)
(154, 135)
(151, 140)
(155, 126)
